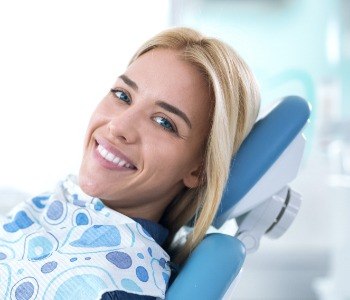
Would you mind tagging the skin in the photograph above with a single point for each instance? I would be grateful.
(130, 120)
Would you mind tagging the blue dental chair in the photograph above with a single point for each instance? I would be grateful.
(257, 196)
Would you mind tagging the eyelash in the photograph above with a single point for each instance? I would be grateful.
(115, 91)
(172, 129)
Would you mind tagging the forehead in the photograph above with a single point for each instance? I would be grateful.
(162, 74)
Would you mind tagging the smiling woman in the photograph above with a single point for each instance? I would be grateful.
(156, 155)
(151, 131)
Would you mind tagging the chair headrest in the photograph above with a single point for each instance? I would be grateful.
(269, 137)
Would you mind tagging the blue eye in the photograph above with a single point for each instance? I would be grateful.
(121, 95)
(165, 123)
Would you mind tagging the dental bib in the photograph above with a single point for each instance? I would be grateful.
(68, 245)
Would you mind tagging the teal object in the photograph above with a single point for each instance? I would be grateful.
(210, 269)
(269, 137)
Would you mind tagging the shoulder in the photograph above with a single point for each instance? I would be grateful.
(159, 234)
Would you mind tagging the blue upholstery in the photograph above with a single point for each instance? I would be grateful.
(269, 138)
(210, 269)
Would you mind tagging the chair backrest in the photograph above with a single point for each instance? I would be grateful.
(213, 266)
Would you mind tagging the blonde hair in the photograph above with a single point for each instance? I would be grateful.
(236, 101)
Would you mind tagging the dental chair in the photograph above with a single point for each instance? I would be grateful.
(257, 197)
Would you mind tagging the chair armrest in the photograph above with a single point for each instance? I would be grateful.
(210, 269)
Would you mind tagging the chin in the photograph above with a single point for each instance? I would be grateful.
(89, 186)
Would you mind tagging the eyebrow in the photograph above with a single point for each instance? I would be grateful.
(162, 104)
(174, 110)
(129, 82)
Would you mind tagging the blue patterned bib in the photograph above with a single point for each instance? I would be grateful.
(67, 245)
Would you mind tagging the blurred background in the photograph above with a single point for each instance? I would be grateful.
(59, 58)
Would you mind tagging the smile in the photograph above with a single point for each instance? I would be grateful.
(113, 158)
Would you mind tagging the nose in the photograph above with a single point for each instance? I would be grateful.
(125, 127)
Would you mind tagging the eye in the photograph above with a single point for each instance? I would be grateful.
(166, 124)
(121, 95)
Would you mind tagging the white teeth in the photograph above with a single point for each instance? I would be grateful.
(104, 152)
(112, 158)
(116, 160)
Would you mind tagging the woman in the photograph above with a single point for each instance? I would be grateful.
(157, 153)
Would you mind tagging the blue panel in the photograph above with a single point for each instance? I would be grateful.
(270, 136)
(210, 269)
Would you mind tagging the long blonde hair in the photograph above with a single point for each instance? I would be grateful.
(236, 102)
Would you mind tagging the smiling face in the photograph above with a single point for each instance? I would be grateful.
(145, 140)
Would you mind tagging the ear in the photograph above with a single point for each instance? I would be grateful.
(192, 178)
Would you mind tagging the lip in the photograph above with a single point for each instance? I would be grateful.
(112, 149)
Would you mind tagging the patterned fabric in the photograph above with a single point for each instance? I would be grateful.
(68, 245)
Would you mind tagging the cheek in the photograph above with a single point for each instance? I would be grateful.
(88, 131)
(98, 118)
(168, 158)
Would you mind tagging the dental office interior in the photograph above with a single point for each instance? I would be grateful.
(58, 58)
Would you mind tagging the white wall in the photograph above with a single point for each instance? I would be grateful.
(57, 60)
